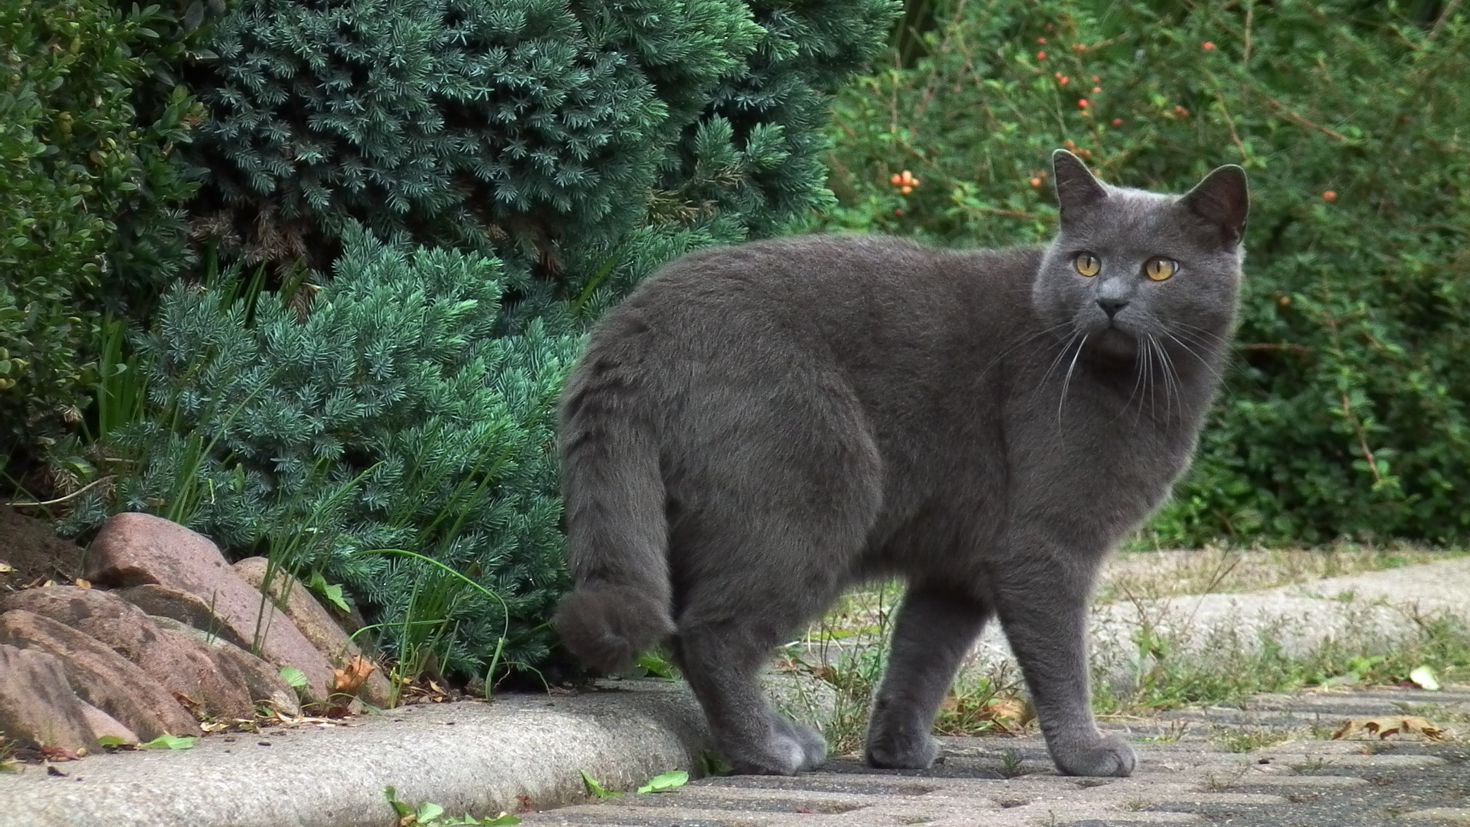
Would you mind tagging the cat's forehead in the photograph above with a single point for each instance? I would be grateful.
(1131, 219)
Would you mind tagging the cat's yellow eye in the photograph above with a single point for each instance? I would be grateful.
(1159, 268)
(1086, 264)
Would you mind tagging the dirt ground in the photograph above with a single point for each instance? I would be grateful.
(31, 551)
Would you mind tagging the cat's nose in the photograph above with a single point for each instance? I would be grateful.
(1112, 306)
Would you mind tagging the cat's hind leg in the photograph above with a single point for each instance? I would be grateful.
(932, 632)
(722, 663)
(749, 584)
(775, 493)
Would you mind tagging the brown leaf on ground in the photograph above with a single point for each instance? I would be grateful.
(60, 754)
(82, 583)
(349, 679)
(1385, 727)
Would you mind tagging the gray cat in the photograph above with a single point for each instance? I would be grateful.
(758, 427)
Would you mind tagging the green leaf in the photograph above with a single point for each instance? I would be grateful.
(398, 806)
(171, 742)
(294, 677)
(194, 17)
(429, 811)
(595, 788)
(329, 591)
(111, 741)
(656, 664)
(665, 782)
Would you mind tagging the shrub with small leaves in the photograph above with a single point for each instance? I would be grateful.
(90, 193)
(1347, 409)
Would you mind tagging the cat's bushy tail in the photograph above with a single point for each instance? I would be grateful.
(617, 528)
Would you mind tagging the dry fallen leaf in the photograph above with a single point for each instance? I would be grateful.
(61, 754)
(1008, 715)
(82, 584)
(1384, 727)
(351, 678)
(6, 568)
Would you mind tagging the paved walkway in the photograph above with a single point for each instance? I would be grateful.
(1188, 774)
(528, 751)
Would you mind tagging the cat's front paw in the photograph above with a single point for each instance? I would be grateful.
(813, 745)
(1106, 757)
(918, 751)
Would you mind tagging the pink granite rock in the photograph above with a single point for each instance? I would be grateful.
(101, 676)
(37, 705)
(315, 622)
(136, 549)
(180, 664)
(162, 601)
(106, 726)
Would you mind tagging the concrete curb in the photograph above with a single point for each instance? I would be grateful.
(468, 757)
(483, 758)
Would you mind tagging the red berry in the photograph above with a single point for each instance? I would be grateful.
(1041, 55)
(1035, 182)
(1208, 46)
(1117, 121)
(1082, 103)
(1329, 196)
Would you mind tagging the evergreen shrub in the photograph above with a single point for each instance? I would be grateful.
(581, 142)
(340, 395)
(1347, 408)
(90, 193)
(340, 422)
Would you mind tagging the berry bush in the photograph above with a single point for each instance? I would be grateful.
(1347, 408)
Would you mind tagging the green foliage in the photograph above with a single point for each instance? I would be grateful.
(371, 429)
(90, 191)
(582, 142)
(389, 430)
(1345, 413)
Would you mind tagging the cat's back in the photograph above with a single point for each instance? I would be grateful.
(848, 291)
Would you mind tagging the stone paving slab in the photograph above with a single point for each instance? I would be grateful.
(1189, 780)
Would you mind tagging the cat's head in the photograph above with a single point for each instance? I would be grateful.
(1129, 264)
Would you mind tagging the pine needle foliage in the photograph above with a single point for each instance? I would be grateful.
(551, 133)
(334, 425)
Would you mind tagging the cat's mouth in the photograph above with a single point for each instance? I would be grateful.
(1114, 339)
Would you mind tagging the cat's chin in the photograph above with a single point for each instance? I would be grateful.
(1113, 342)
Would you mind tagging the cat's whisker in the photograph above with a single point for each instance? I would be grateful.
(1171, 375)
(1153, 347)
(1206, 335)
(1061, 354)
(1137, 379)
(1025, 341)
(1214, 371)
(1068, 381)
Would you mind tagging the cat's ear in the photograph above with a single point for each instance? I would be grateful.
(1076, 188)
(1222, 200)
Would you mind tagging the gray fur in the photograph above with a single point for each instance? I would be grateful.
(758, 427)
